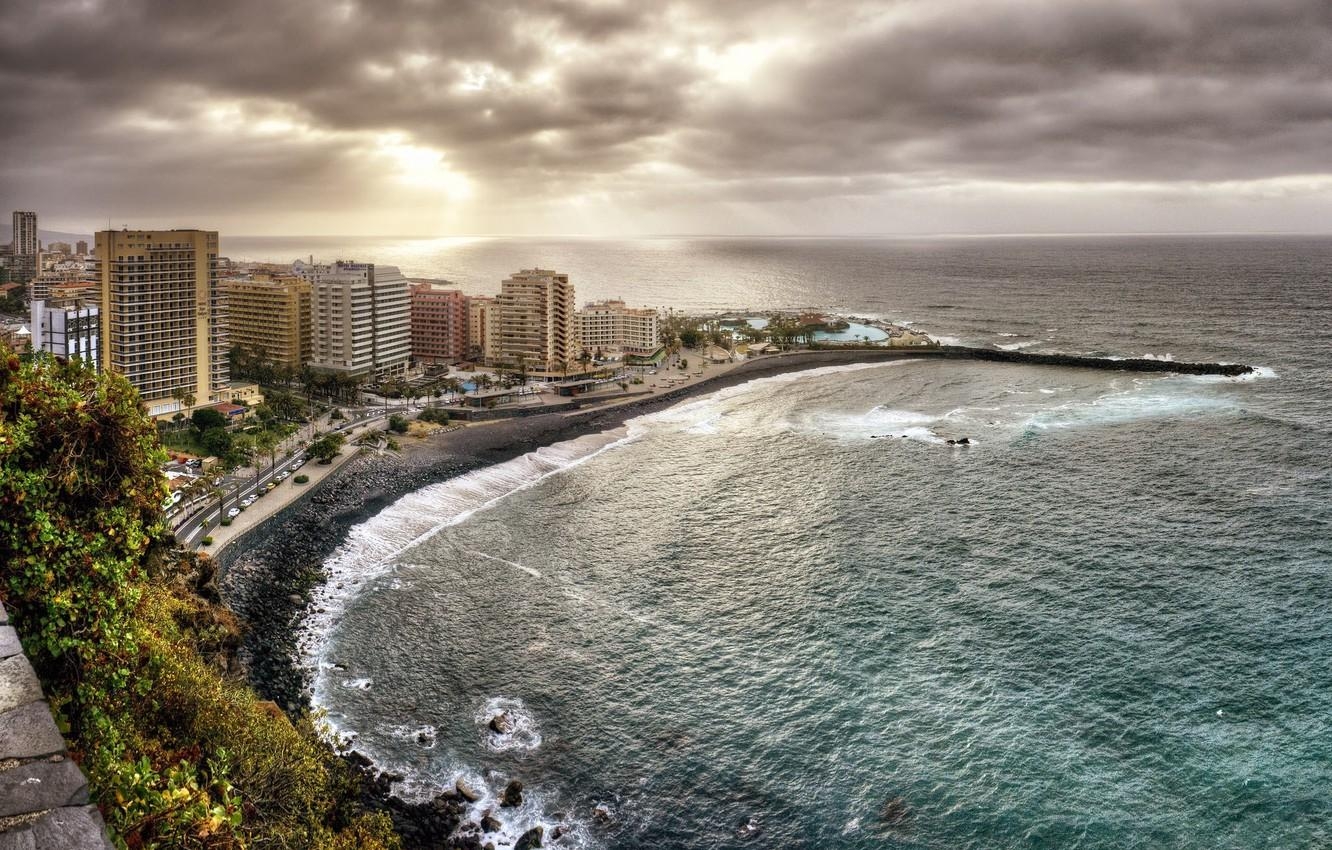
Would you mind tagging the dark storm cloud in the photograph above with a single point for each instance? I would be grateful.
(651, 101)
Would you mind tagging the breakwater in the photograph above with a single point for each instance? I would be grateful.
(1230, 370)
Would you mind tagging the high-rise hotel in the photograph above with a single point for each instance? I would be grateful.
(537, 327)
(164, 315)
(361, 318)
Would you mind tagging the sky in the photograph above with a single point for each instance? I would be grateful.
(600, 117)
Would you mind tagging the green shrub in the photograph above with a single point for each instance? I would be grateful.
(431, 414)
(177, 756)
(208, 540)
(397, 423)
(301, 479)
(226, 520)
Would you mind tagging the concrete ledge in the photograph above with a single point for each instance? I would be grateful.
(41, 785)
(29, 732)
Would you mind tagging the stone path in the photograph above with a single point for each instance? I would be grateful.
(43, 794)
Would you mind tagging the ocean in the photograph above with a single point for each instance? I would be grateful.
(789, 615)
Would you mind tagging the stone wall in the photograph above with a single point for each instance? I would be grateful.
(43, 794)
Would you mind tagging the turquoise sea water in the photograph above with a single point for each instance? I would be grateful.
(790, 615)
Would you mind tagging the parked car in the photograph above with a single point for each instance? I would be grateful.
(233, 513)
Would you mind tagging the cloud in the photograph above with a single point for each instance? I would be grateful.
(503, 116)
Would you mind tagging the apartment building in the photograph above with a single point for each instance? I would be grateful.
(361, 318)
(70, 328)
(538, 329)
(482, 327)
(613, 326)
(164, 315)
(270, 317)
(23, 264)
(439, 324)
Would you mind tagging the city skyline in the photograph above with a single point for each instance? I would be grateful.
(605, 118)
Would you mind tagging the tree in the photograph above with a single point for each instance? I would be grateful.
(216, 441)
(397, 423)
(326, 447)
(206, 418)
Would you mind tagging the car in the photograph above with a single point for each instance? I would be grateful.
(233, 513)
(299, 463)
(270, 486)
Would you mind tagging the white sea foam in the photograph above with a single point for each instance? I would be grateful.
(523, 735)
(1018, 346)
(1005, 333)
(529, 570)
(371, 546)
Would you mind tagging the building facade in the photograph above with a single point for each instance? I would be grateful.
(612, 326)
(68, 328)
(270, 318)
(538, 331)
(361, 318)
(439, 324)
(482, 327)
(164, 315)
(23, 264)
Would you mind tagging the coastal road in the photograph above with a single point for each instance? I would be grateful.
(191, 530)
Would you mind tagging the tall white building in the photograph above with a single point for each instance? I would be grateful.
(361, 318)
(613, 326)
(537, 325)
(69, 329)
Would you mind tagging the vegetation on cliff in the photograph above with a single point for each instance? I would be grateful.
(132, 647)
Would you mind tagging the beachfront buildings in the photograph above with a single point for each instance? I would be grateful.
(538, 332)
(482, 327)
(24, 249)
(361, 318)
(164, 315)
(439, 324)
(608, 326)
(69, 328)
(270, 318)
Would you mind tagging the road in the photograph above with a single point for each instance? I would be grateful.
(203, 514)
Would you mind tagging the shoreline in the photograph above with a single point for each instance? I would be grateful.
(269, 578)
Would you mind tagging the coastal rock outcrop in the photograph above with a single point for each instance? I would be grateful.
(512, 796)
(531, 838)
(895, 812)
(501, 724)
(490, 823)
(466, 791)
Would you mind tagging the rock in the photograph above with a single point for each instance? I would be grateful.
(951, 442)
(500, 724)
(41, 785)
(965, 441)
(895, 812)
(464, 842)
(295, 599)
(490, 823)
(748, 829)
(466, 791)
(557, 833)
(489, 845)
(601, 814)
(531, 838)
(512, 795)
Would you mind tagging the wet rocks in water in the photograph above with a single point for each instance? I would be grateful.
(531, 838)
(466, 791)
(490, 823)
(748, 829)
(895, 812)
(601, 814)
(464, 842)
(512, 795)
(501, 724)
